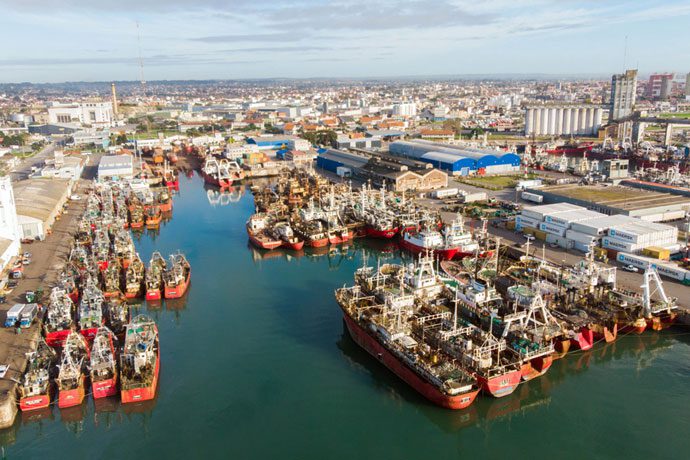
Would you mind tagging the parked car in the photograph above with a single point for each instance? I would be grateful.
(27, 255)
(631, 268)
(27, 240)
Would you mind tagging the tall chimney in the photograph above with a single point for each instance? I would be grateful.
(114, 101)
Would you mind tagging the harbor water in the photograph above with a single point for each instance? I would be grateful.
(256, 364)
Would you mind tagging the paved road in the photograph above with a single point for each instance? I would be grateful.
(24, 169)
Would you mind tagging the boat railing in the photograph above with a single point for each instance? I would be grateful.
(541, 351)
(438, 316)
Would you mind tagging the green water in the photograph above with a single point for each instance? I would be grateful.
(256, 364)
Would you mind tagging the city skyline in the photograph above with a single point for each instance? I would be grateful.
(77, 40)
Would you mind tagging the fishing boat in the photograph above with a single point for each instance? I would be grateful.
(428, 239)
(176, 278)
(59, 318)
(91, 310)
(123, 247)
(259, 234)
(117, 313)
(35, 389)
(380, 226)
(139, 361)
(457, 237)
(137, 219)
(154, 215)
(134, 277)
(67, 283)
(164, 200)
(72, 376)
(312, 232)
(283, 231)
(154, 277)
(216, 172)
(103, 365)
(383, 324)
(112, 278)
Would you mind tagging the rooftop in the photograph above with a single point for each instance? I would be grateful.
(38, 198)
(625, 198)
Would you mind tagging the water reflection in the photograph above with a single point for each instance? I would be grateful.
(223, 197)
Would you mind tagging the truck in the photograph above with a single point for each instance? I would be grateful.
(29, 313)
(13, 315)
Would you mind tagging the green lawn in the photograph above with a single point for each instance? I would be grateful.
(494, 182)
(675, 115)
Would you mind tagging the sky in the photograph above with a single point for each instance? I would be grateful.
(95, 40)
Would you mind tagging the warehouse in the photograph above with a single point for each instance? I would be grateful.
(332, 159)
(572, 226)
(610, 200)
(115, 167)
(39, 203)
(481, 161)
(277, 142)
(449, 162)
(380, 169)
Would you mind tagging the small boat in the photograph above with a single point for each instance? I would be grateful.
(35, 388)
(137, 219)
(103, 364)
(176, 277)
(216, 172)
(154, 277)
(59, 318)
(139, 361)
(134, 277)
(72, 375)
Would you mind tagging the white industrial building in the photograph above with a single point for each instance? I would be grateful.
(39, 203)
(235, 151)
(63, 167)
(9, 226)
(86, 113)
(405, 109)
(115, 167)
(558, 120)
(298, 143)
(571, 226)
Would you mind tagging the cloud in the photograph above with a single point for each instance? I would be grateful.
(155, 60)
(259, 37)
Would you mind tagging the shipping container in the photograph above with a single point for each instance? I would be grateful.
(579, 246)
(529, 196)
(656, 252)
(531, 183)
(581, 237)
(674, 215)
(559, 240)
(445, 193)
(552, 228)
(527, 221)
(612, 243)
(473, 197)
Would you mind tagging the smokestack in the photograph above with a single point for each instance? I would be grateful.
(114, 100)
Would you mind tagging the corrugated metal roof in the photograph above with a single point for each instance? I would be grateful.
(38, 198)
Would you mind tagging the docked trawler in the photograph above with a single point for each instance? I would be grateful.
(59, 318)
(117, 315)
(176, 278)
(35, 389)
(134, 277)
(91, 310)
(103, 365)
(111, 278)
(428, 239)
(139, 361)
(283, 231)
(381, 313)
(258, 231)
(154, 277)
(72, 376)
